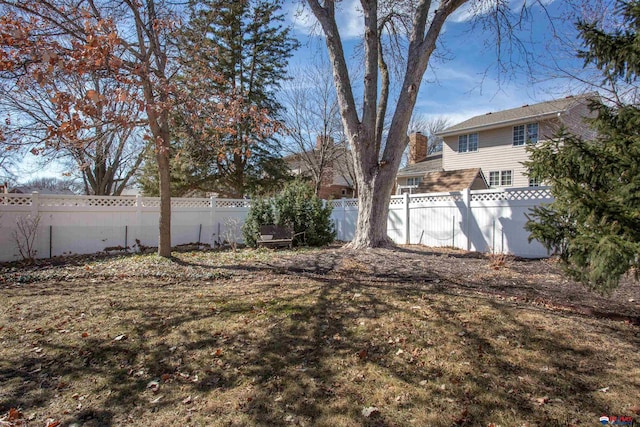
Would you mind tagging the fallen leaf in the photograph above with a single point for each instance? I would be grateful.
(604, 390)
(14, 415)
(370, 411)
(120, 338)
(53, 423)
(154, 386)
(541, 400)
(362, 354)
(85, 335)
(187, 400)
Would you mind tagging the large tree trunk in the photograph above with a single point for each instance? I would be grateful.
(373, 207)
(376, 163)
(159, 125)
(164, 175)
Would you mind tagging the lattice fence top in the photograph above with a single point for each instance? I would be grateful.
(233, 203)
(87, 201)
(343, 203)
(533, 193)
(434, 198)
(15, 199)
(150, 202)
(190, 203)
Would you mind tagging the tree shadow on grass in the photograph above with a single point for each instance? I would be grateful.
(348, 338)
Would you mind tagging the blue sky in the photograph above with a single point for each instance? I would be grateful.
(468, 80)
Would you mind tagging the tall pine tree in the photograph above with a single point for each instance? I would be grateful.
(248, 47)
(594, 221)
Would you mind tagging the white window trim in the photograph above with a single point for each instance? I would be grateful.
(467, 135)
(525, 127)
(500, 180)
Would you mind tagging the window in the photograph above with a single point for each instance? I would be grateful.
(500, 178)
(533, 182)
(494, 179)
(468, 143)
(532, 133)
(505, 178)
(414, 180)
(525, 133)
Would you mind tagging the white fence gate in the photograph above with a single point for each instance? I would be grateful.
(488, 220)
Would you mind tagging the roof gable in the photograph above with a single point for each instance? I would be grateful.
(538, 111)
(456, 180)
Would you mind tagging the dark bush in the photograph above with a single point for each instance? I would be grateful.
(261, 213)
(296, 206)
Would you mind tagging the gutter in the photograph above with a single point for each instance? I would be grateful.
(501, 123)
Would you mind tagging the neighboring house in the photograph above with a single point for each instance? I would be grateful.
(418, 165)
(425, 174)
(495, 142)
(336, 178)
(25, 189)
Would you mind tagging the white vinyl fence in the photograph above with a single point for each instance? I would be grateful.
(90, 224)
(488, 220)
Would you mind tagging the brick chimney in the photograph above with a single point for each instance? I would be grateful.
(417, 147)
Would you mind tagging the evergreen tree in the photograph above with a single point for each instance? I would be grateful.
(594, 221)
(296, 206)
(246, 45)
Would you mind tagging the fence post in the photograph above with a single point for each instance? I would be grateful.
(406, 219)
(342, 233)
(138, 233)
(35, 204)
(466, 198)
(212, 220)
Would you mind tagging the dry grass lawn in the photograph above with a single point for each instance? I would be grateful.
(312, 337)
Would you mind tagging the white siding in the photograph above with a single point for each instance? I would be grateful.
(495, 153)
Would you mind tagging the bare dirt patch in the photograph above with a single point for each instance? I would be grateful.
(386, 337)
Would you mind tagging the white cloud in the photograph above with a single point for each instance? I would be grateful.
(483, 7)
(348, 19)
(472, 9)
(458, 104)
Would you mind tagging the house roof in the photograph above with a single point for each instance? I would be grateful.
(541, 110)
(456, 180)
(25, 189)
(429, 164)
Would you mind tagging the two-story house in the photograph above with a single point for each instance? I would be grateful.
(425, 173)
(496, 142)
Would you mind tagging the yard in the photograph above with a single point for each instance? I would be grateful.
(322, 337)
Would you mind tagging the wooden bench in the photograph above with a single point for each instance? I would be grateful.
(275, 236)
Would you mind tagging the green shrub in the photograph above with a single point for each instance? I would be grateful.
(261, 213)
(296, 206)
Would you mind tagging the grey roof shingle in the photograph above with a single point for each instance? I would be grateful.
(548, 108)
(431, 163)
